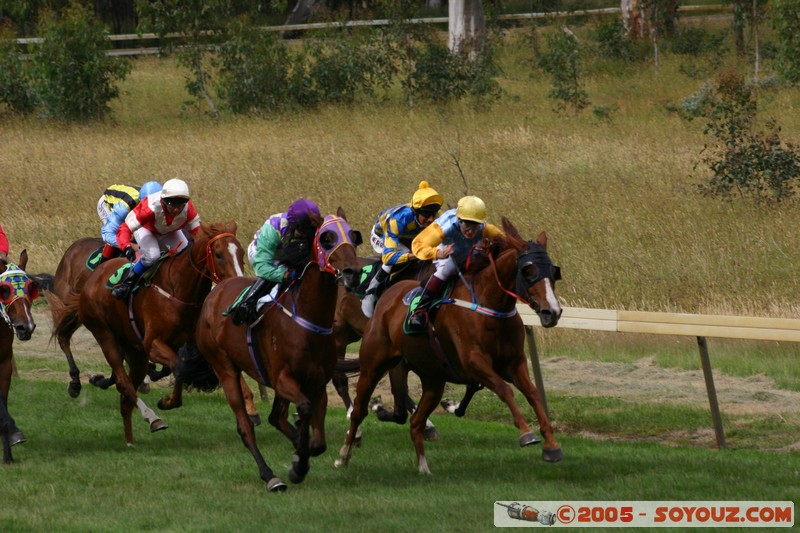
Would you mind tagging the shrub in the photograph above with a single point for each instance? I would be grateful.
(742, 160)
(74, 78)
(16, 87)
(562, 62)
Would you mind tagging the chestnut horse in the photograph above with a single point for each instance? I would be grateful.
(17, 292)
(289, 348)
(160, 317)
(478, 338)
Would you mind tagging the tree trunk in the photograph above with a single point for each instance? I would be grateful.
(300, 14)
(632, 18)
(466, 27)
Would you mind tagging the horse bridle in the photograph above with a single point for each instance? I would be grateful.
(21, 287)
(534, 256)
(211, 267)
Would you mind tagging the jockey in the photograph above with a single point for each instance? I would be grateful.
(117, 216)
(448, 241)
(392, 234)
(3, 245)
(156, 220)
(270, 245)
(116, 194)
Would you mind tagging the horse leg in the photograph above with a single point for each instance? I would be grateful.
(461, 407)
(102, 382)
(15, 436)
(279, 419)
(318, 444)
(249, 402)
(432, 391)
(288, 389)
(231, 385)
(342, 386)
(398, 379)
(155, 421)
(373, 367)
(551, 450)
(161, 353)
(481, 367)
(5, 431)
(64, 338)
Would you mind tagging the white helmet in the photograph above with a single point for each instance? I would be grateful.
(175, 188)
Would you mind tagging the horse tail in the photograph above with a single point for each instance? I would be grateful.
(65, 313)
(193, 370)
(348, 366)
(45, 281)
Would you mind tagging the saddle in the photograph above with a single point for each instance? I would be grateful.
(412, 298)
(95, 258)
(145, 279)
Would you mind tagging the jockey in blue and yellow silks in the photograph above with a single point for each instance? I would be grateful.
(392, 234)
(446, 242)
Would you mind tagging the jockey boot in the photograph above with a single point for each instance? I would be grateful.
(245, 312)
(419, 319)
(374, 290)
(109, 252)
(126, 284)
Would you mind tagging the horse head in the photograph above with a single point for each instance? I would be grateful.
(17, 293)
(222, 253)
(536, 275)
(335, 248)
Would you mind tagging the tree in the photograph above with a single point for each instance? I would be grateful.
(466, 27)
(786, 22)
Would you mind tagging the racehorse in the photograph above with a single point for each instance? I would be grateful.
(479, 337)
(17, 292)
(158, 318)
(289, 348)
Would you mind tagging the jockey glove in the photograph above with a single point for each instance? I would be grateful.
(130, 253)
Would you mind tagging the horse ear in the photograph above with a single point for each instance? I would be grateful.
(511, 231)
(340, 213)
(23, 259)
(542, 239)
(231, 227)
(316, 219)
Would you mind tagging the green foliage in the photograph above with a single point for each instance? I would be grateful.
(613, 41)
(16, 86)
(695, 41)
(75, 79)
(786, 22)
(742, 160)
(255, 71)
(562, 61)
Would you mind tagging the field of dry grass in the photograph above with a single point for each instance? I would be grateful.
(617, 197)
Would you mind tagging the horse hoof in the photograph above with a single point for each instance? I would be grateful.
(74, 390)
(276, 485)
(294, 477)
(97, 380)
(158, 425)
(17, 438)
(375, 403)
(255, 419)
(431, 434)
(552, 456)
(529, 438)
(144, 388)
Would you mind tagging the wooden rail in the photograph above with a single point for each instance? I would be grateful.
(699, 326)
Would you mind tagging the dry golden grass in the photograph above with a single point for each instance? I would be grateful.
(617, 197)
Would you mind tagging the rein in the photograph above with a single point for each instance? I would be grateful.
(209, 259)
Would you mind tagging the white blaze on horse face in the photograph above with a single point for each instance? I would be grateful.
(232, 251)
(551, 297)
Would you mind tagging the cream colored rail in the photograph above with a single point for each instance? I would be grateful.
(699, 326)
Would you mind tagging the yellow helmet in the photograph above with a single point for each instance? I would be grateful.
(426, 197)
(471, 208)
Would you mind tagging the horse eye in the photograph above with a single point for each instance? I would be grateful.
(327, 240)
(530, 272)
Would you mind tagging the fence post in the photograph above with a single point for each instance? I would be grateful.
(537, 369)
(712, 392)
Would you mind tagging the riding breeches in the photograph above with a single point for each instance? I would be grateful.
(150, 244)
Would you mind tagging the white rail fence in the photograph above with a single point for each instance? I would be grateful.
(713, 8)
(683, 324)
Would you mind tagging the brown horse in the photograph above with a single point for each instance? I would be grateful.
(158, 318)
(17, 292)
(289, 348)
(479, 338)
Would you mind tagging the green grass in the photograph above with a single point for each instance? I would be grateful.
(76, 474)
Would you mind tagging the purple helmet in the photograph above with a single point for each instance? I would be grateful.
(298, 211)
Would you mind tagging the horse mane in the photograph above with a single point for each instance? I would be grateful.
(494, 246)
(215, 228)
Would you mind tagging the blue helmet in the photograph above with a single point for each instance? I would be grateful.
(149, 188)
